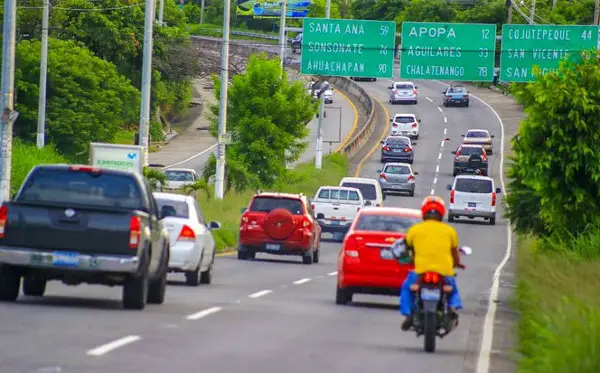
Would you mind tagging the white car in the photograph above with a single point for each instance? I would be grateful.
(403, 92)
(335, 208)
(327, 95)
(473, 197)
(192, 244)
(369, 188)
(405, 125)
(177, 178)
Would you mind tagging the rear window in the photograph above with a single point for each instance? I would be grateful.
(178, 209)
(397, 141)
(457, 90)
(404, 119)
(404, 86)
(385, 223)
(338, 194)
(397, 170)
(368, 191)
(268, 204)
(62, 186)
(473, 186)
(477, 134)
(179, 176)
(471, 150)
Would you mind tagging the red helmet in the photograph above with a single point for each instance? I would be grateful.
(433, 204)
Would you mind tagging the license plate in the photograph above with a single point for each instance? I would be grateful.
(273, 247)
(472, 204)
(396, 186)
(397, 150)
(430, 294)
(65, 259)
(386, 254)
(405, 133)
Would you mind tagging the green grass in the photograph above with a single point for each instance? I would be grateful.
(559, 304)
(303, 179)
(124, 137)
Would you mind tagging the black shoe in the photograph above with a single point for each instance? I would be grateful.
(407, 323)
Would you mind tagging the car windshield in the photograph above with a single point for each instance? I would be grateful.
(177, 209)
(473, 185)
(179, 176)
(61, 186)
(397, 170)
(470, 150)
(404, 86)
(385, 223)
(268, 204)
(404, 119)
(368, 191)
(480, 134)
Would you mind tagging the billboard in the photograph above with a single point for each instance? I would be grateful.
(272, 9)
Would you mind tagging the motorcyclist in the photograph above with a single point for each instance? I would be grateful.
(433, 246)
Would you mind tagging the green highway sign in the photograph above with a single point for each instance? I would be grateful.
(343, 47)
(448, 51)
(526, 46)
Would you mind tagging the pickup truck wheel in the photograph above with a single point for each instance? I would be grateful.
(307, 258)
(493, 220)
(10, 282)
(33, 286)
(450, 218)
(135, 290)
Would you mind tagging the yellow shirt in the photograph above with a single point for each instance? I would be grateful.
(433, 242)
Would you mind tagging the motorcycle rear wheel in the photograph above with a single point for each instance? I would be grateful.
(429, 331)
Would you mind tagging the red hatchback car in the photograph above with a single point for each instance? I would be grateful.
(365, 262)
(280, 224)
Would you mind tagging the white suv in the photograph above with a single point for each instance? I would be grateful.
(405, 125)
(473, 197)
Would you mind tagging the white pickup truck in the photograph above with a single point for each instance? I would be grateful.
(335, 208)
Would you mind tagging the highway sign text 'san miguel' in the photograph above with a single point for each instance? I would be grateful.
(448, 51)
(350, 48)
(544, 46)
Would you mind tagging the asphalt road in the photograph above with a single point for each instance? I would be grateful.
(272, 314)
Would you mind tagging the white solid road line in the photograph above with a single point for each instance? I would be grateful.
(204, 313)
(332, 273)
(302, 281)
(485, 351)
(440, 109)
(445, 121)
(190, 158)
(106, 348)
(260, 293)
(430, 100)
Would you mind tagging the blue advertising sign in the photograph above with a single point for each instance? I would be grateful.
(272, 9)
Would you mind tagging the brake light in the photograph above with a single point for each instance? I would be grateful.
(484, 156)
(90, 169)
(431, 278)
(452, 196)
(306, 223)
(408, 150)
(135, 231)
(395, 91)
(382, 175)
(411, 178)
(312, 207)
(386, 148)
(457, 155)
(493, 199)
(414, 125)
(448, 96)
(3, 219)
(186, 234)
(414, 91)
(245, 219)
(394, 125)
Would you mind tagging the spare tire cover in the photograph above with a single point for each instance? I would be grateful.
(475, 160)
(279, 224)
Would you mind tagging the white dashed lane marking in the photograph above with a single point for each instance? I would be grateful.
(430, 100)
(259, 294)
(302, 281)
(204, 313)
(106, 348)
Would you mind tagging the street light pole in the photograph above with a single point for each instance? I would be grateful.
(41, 124)
(282, 41)
(146, 80)
(161, 12)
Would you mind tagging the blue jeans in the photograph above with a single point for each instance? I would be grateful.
(407, 298)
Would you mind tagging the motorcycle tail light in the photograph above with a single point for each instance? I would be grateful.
(447, 289)
(431, 278)
(414, 287)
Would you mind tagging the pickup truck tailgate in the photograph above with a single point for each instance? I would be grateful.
(94, 231)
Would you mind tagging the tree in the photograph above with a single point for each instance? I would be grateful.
(557, 148)
(382, 10)
(266, 116)
(428, 11)
(82, 106)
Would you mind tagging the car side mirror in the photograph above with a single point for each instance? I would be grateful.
(444, 92)
(378, 171)
(415, 173)
(498, 190)
(492, 136)
(462, 135)
(454, 152)
(368, 203)
(413, 143)
(390, 87)
(416, 87)
(391, 120)
(243, 209)
(419, 120)
(448, 187)
(383, 142)
(213, 225)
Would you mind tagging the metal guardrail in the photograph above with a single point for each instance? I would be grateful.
(249, 34)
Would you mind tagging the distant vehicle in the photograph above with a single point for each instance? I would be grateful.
(336, 207)
(456, 95)
(366, 264)
(192, 246)
(81, 224)
(397, 178)
(403, 92)
(473, 197)
(327, 91)
(369, 188)
(405, 125)
(470, 159)
(358, 79)
(397, 148)
(479, 137)
(178, 178)
(297, 43)
(279, 224)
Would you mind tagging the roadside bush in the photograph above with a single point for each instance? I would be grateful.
(303, 179)
(25, 157)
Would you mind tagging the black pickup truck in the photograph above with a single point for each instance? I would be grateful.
(79, 224)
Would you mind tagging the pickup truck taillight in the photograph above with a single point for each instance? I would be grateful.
(383, 176)
(452, 196)
(135, 231)
(493, 199)
(414, 125)
(186, 234)
(90, 169)
(411, 178)
(3, 218)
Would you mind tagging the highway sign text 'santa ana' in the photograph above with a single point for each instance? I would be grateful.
(448, 51)
(544, 46)
(351, 48)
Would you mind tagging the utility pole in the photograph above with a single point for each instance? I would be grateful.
(596, 12)
(221, 144)
(146, 79)
(41, 125)
(202, 12)
(161, 13)
(532, 14)
(328, 9)
(510, 11)
(319, 155)
(553, 4)
(7, 113)
(282, 41)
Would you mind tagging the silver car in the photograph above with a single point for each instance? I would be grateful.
(397, 178)
(479, 137)
(403, 92)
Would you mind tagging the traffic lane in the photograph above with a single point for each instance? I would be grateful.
(197, 161)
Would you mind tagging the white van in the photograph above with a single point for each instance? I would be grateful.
(369, 188)
(473, 197)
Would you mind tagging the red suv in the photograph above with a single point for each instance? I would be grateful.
(280, 224)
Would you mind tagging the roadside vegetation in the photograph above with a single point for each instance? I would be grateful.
(553, 205)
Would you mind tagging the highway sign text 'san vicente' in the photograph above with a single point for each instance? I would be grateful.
(526, 46)
(448, 51)
(341, 47)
